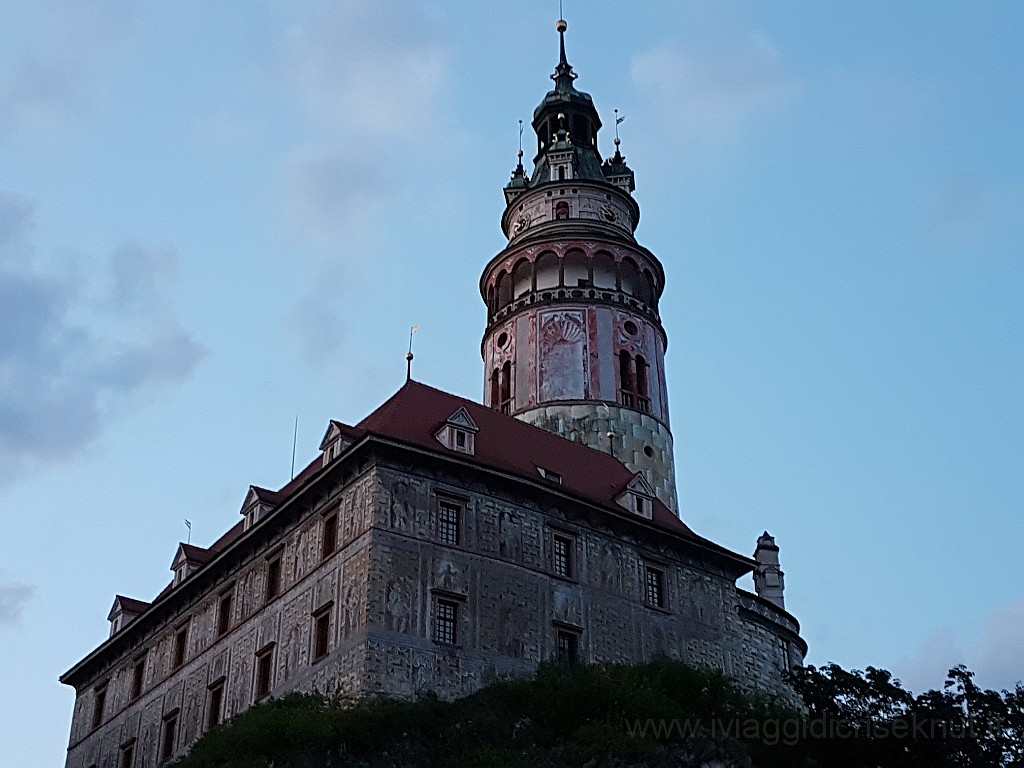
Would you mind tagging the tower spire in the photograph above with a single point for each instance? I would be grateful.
(564, 75)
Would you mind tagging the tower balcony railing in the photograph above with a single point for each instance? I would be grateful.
(633, 400)
(583, 293)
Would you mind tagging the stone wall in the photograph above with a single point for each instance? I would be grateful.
(511, 604)
(636, 436)
(380, 589)
(309, 583)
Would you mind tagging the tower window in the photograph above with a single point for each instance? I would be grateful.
(626, 380)
(505, 388)
(562, 207)
(643, 400)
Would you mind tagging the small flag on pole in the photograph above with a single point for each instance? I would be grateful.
(188, 524)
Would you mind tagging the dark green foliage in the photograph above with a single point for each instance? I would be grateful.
(654, 715)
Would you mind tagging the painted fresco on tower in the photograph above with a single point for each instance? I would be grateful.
(563, 368)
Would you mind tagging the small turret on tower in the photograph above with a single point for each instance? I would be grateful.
(769, 580)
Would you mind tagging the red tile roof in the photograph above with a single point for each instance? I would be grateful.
(416, 412)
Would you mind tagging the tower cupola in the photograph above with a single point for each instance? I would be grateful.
(574, 341)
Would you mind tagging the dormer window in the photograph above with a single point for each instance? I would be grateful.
(336, 440)
(638, 497)
(459, 433)
(188, 560)
(551, 477)
(259, 502)
(123, 612)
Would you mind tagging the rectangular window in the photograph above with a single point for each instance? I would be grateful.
(330, 536)
(562, 555)
(264, 672)
(224, 612)
(446, 615)
(787, 664)
(215, 707)
(567, 643)
(321, 633)
(654, 586)
(127, 755)
(98, 704)
(273, 578)
(448, 513)
(180, 646)
(169, 735)
(138, 677)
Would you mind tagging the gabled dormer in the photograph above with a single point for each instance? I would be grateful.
(259, 502)
(637, 497)
(188, 560)
(124, 611)
(337, 438)
(458, 433)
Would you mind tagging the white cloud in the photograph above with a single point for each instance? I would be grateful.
(710, 94)
(996, 657)
(13, 598)
(371, 69)
(75, 342)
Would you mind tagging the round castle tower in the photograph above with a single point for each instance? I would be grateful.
(574, 343)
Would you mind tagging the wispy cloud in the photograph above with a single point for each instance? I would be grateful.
(996, 656)
(962, 209)
(13, 599)
(370, 80)
(75, 342)
(40, 94)
(710, 94)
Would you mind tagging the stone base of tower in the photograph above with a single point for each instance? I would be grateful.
(641, 442)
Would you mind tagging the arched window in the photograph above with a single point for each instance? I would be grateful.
(522, 278)
(546, 270)
(643, 398)
(629, 277)
(495, 388)
(576, 271)
(562, 208)
(647, 288)
(626, 380)
(504, 290)
(604, 270)
(505, 388)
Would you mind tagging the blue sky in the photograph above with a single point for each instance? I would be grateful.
(217, 217)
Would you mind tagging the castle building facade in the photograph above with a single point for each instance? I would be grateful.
(441, 544)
